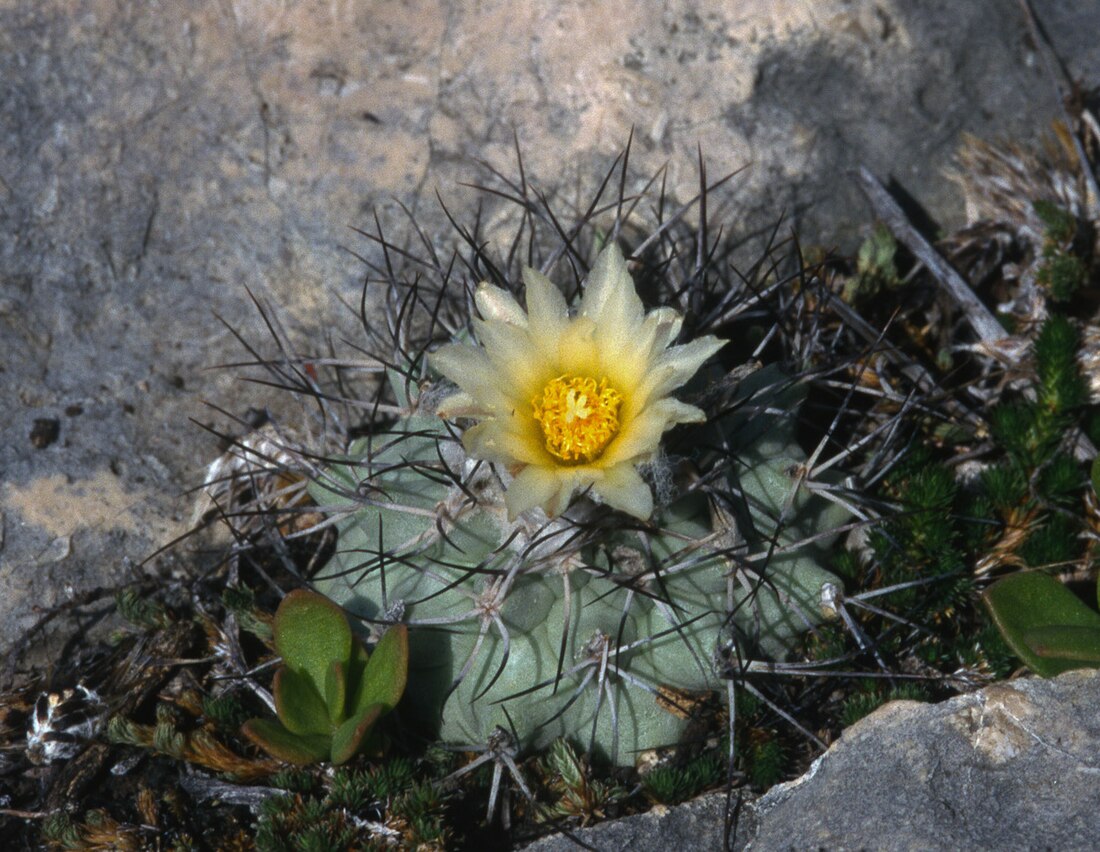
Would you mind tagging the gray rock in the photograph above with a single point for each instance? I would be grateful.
(159, 160)
(698, 824)
(1014, 766)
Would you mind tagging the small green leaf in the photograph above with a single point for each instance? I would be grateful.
(310, 632)
(299, 705)
(1040, 620)
(359, 657)
(383, 678)
(1096, 474)
(1067, 643)
(336, 689)
(272, 737)
(356, 667)
(349, 737)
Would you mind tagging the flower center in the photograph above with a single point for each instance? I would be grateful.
(578, 417)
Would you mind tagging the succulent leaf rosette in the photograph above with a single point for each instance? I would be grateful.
(575, 550)
(329, 692)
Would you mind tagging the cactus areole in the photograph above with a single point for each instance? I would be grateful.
(514, 527)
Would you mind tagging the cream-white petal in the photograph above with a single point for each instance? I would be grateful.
(454, 360)
(633, 360)
(533, 486)
(578, 351)
(496, 303)
(469, 367)
(676, 366)
(610, 299)
(493, 441)
(624, 342)
(641, 437)
(573, 480)
(459, 404)
(665, 324)
(516, 365)
(546, 307)
(483, 441)
(622, 488)
(690, 356)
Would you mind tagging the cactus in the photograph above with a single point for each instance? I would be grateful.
(590, 623)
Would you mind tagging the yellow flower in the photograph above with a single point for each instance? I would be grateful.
(571, 403)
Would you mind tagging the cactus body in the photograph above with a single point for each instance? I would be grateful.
(577, 626)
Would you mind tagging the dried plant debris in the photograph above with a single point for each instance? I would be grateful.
(1029, 238)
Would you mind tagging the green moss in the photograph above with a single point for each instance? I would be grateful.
(294, 781)
(989, 651)
(766, 762)
(671, 784)
(1062, 272)
(845, 564)
(872, 696)
(827, 642)
(58, 828)
(354, 788)
(1060, 386)
(338, 816)
(577, 791)
(1053, 543)
(422, 807)
(1005, 487)
(921, 539)
(141, 611)
(1062, 276)
(1060, 224)
(1061, 480)
(241, 601)
(876, 267)
(226, 711)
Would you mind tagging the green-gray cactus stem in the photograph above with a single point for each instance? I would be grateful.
(588, 625)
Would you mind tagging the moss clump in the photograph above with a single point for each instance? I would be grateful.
(1062, 271)
(380, 806)
(672, 784)
(872, 696)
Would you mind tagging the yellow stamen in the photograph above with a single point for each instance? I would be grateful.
(578, 417)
